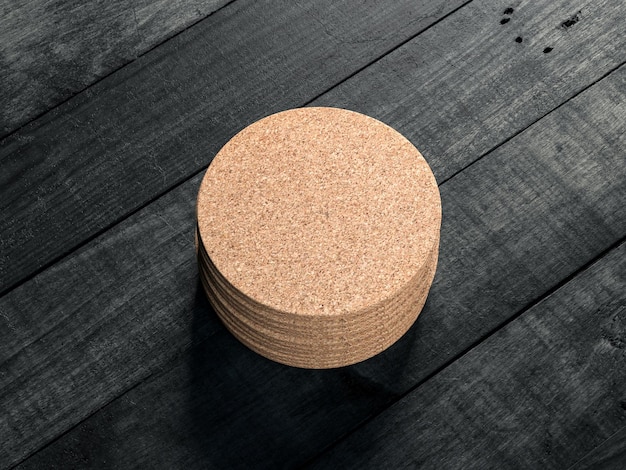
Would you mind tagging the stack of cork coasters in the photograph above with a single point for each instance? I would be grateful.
(318, 236)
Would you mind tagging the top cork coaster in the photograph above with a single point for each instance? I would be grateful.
(318, 236)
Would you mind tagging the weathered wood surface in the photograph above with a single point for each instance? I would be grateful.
(540, 393)
(516, 223)
(50, 50)
(162, 118)
(458, 89)
(611, 454)
(135, 134)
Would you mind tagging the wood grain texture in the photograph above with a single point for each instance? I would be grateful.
(610, 455)
(163, 118)
(456, 90)
(138, 132)
(540, 393)
(50, 50)
(515, 223)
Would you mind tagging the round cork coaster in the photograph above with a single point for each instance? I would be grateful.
(318, 235)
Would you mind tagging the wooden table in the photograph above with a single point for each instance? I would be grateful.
(111, 357)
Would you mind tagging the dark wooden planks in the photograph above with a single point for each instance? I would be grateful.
(99, 322)
(49, 51)
(164, 117)
(133, 135)
(456, 90)
(515, 224)
(540, 393)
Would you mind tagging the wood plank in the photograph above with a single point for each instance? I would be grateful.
(51, 50)
(515, 224)
(162, 119)
(540, 393)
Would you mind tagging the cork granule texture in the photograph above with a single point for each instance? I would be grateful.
(318, 236)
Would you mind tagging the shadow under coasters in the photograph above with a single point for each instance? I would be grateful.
(318, 236)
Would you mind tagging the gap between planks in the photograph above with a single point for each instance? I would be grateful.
(89, 85)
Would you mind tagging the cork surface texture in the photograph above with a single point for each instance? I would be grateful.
(319, 234)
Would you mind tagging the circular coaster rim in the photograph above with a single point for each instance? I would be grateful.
(432, 234)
